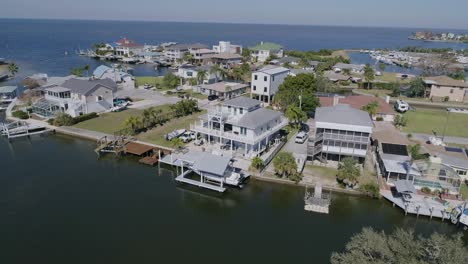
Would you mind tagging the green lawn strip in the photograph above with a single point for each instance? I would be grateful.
(156, 81)
(319, 171)
(156, 135)
(427, 120)
(464, 191)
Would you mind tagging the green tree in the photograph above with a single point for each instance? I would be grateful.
(177, 142)
(402, 246)
(218, 72)
(295, 115)
(368, 75)
(13, 69)
(77, 71)
(347, 71)
(371, 108)
(400, 120)
(417, 88)
(86, 68)
(348, 171)
(256, 164)
(285, 165)
(382, 67)
(188, 57)
(170, 80)
(458, 75)
(201, 75)
(294, 86)
(132, 123)
(246, 54)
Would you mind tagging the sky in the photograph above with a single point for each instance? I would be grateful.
(449, 14)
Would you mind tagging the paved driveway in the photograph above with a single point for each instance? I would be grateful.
(148, 98)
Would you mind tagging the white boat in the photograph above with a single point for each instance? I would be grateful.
(119, 107)
(460, 215)
(175, 134)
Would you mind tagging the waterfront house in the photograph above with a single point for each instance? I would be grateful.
(227, 47)
(8, 93)
(225, 60)
(127, 48)
(384, 109)
(200, 55)
(191, 72)
(225, 90)
(444, 88)
(341, 131)
(177, 51)
(265, 50)
(242, 124)
(265, 82)
(336, 77)
(76, 97)
(104, 72)
(353, 68)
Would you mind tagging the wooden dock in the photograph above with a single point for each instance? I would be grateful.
(21, 129)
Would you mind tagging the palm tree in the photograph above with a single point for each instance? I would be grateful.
(13, 69)
(86, 68)
(147, 117)
(132, 123)
(368, 74)
(285, 164)
(256, 164)
(371, 108)
(78, 72)
(218, 72)
(201, 75)
(155, 115)
(237, 73)
(414, 152)
(348, 171)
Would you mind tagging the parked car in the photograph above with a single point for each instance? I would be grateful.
(301, 137)
(401, 106)
(212, 97)
(188, 136)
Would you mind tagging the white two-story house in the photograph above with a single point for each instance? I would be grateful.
(241, 124)
(341, 131)
(265, 50)
(265, 82)
(76, 97)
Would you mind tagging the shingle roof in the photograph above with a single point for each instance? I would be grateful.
(243, 102)
(100, 70)
(84, 87)
(257, 118)
(445, 81)
(343, 114)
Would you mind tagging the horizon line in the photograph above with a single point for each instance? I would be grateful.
(231, 23)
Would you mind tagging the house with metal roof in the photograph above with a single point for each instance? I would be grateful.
(8, 93)
(242, 124)
(225, 90)
(353, 68)
(191, 72)
(76, 97)
(265, 50)
(265, 82)
(341, 131)
(103, 72)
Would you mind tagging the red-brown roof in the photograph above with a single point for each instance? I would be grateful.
(358, 101)
(124, 42)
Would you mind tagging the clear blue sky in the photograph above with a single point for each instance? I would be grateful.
(388, 13)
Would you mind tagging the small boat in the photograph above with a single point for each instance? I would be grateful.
(175, 134)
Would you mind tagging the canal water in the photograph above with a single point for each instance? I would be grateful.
(60, 204)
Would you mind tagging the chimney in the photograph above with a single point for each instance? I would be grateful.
(336, 100)
(387, 99)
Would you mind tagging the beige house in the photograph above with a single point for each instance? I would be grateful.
(441, 88)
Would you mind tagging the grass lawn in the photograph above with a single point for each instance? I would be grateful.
(156, 135)
(375, 92)
(320, 171)
(112, 122)
(464, 191)
(391, 77)
(428, 120)
(152, 80)
(338, 53)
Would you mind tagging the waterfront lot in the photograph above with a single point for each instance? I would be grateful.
(427, 120)
(109, 122)
(156, 134)
(151, 80)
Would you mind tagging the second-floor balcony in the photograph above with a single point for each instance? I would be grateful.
(248, 138)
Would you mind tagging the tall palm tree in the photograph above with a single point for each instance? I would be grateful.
(13, 69)
(201, 75)
(155, 115)
(132, 122)
(237, 73)
(147, 117)
(217, 71)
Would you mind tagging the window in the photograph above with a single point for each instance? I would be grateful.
(99, 98)
(265, 89)
(241, 111)
(272, 78)
(255, 88)
(265, 78)
(255, 77)
(461, 172)
(243, 131)
(451, 91)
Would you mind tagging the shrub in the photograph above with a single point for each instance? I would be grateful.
(371, 189)
(379, 118)
(85, 117)
(63, 119)
(426, 190)
(20, 114)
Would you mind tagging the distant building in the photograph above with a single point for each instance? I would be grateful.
(242, 124)
(353, 68)
(341, 131)
(126, 48)
(225, 90)
(177, 51)
(265, 82)
(226, 60)
(76, 97)
(118, 76)
(199, 55)
(264, 50)
(441, 88)
(191, 72)
(227, 47)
